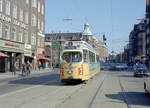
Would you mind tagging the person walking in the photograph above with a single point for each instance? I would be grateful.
(28, 68)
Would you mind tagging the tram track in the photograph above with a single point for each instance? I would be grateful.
(97, 91)
(124, 94)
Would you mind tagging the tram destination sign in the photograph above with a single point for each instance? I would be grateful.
(70, 47)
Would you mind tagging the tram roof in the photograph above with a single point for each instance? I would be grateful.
(79, 45)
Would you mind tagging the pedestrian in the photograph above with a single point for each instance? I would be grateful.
(28, 68)
(39, 65)
(15, 67)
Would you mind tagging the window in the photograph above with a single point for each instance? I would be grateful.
(39, 7)
(147, 31)
(148, 50)
(42, 26)
(33, 40)
(1, 5)
(148, 41)
(140, 35)
(42, 9)
(73, 57)
(20, 36)
(147, 20)
(26, 17)
(7, 7)
(15, 11)
(85, 55)
(7, 32)
(26, 37)
(34, 2)
(97, 58)
(33, 22)
(39, 39)
(91, 56)
(39, 24)
(14, 34)
(27, 1)
(21, 14)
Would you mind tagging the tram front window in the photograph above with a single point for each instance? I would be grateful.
(72, 57)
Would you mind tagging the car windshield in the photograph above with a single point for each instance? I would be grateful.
(70, 57)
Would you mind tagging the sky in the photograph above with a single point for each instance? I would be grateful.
(115, 18)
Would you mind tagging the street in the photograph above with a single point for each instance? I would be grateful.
(109, 89)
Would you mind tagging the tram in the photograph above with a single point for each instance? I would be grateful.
(79, 61)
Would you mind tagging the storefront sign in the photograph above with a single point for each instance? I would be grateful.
(11, 45)
(27, 46)
(15, 22)
(28, 53)
(20, 24)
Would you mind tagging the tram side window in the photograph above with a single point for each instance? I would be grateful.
(85, 55)
(97, 58)
(91, 56)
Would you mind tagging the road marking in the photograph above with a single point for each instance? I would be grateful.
(124, 94)
(92, 101)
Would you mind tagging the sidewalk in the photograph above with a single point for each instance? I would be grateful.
(18, 73)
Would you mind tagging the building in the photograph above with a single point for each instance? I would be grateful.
(54, 41)
(137, 42)
(57, 39)
(22, 29)
(148, 32)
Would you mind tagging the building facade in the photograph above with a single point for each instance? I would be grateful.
(22, 29)
(137, 43)
(54, 40)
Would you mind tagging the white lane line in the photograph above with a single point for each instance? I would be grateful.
(25, 89)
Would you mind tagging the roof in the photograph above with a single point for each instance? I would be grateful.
(86, 30)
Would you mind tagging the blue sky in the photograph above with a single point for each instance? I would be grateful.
(115, 20)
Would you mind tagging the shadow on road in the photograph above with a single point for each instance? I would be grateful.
(50, 79)
(126, 76)
(37, 80)
(133, 98)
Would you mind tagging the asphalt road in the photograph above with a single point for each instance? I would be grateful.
(108, 89)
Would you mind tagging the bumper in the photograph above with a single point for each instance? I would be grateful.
(142, 74)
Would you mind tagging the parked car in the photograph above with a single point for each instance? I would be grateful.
(141, 70)
(147, 86)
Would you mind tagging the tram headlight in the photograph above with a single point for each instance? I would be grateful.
(62, 71)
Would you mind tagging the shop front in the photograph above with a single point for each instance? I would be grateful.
(14, 51)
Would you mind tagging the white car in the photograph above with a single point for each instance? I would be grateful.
(147, 86)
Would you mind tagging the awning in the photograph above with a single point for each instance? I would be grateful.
(43, 58)
(2, 56)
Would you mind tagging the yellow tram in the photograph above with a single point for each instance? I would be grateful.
(79, 61)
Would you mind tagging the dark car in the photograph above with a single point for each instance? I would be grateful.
(141, 70)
